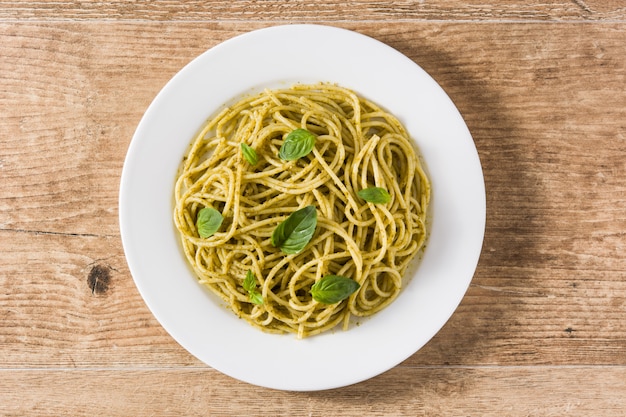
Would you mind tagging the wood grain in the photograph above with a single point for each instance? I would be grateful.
(488, 391)
(542, 329)
(321, 10)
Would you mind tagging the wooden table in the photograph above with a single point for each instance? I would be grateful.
(542, 329)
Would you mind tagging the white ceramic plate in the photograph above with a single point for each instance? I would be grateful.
(280, 56)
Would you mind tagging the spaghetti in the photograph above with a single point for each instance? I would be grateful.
(357, 146)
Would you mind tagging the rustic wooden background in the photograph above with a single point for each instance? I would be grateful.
(542, 329)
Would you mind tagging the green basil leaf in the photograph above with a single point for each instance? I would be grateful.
(333, 288)
(249, 284)
(256, 297)
(249, 153)
(376, 195)
(293, 234)
(208, 222)
(297, 144)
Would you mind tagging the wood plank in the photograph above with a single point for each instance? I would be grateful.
(517, 391)
(318, 11)
(545, 104)
(70, 301)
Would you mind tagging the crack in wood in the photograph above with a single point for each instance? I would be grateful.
(583, 6)
(44, 232)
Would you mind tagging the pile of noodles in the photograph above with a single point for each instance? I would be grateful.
(358, 145)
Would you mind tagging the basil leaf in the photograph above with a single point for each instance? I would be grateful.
(249, 153)
(297, 144)
(249, 284)
(208, 222)
(376, 195)
(256, 297)
(293, 234)
(333, 288)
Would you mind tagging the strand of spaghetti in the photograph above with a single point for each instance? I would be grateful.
(336, 180)
(350, 244)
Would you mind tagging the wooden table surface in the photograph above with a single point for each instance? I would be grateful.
(542, 328)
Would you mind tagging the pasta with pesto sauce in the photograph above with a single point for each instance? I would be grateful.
(247, 191)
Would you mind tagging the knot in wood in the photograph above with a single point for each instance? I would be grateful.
(99, 279)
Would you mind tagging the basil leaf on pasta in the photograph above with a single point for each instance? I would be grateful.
(293, 234)
(256, 297)
(249, 284)
(377, 195)
(249, 153)
(208, 222)
(298, 143)
(333, 288)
